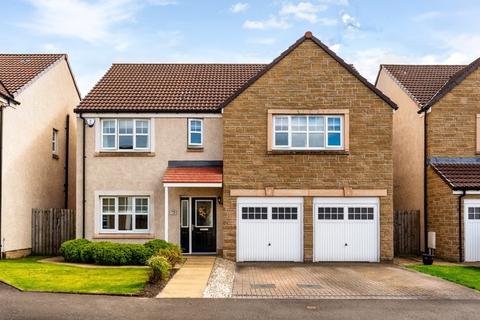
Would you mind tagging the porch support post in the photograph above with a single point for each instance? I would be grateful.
(166, 213)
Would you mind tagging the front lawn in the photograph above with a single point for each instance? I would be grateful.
(466, 276)
(30, 275)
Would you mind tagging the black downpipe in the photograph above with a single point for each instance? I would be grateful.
(425, 189)
(1, 181)
(67, 156)
(83, 174)
(460, 237)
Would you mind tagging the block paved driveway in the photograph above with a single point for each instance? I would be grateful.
(341, 281)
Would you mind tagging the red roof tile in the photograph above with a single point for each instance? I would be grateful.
(16, 70)
(422, 81)
(459, 175)
(167, 87)
(4, 92)
(193, 175)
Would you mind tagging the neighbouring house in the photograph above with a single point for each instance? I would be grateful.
(290, 161)
(436, 140)
(37, 95)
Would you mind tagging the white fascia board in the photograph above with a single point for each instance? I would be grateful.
(151, 115)
(192, 185)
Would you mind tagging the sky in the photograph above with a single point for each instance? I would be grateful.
(97, 33)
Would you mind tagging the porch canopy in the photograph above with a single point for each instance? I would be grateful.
(190, 174)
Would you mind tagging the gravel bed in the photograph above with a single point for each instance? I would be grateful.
(220, 283)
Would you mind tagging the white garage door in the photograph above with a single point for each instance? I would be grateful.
(472, 230)
(270, 229)
(346, 229)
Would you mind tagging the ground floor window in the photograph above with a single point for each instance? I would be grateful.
(124, 214)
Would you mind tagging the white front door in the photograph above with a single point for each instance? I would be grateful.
(346, 229)
(269, 229)
(472, 230)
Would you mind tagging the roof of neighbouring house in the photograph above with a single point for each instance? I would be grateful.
(4, 92)
(460, 175)
(422, 82)
(193, 175)
(452, 83)
(17, 70)
(167, 87)
(186, 87)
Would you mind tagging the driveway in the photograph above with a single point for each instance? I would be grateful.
(341, 281)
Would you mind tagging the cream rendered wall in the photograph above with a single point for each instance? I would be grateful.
(408, 149)
(143, 174)
(31, 177)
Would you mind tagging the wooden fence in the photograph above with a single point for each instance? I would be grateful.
(407, 232)
(50, 228)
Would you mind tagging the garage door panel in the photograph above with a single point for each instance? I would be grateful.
(472, 230)
(346, 229)
(274, 235)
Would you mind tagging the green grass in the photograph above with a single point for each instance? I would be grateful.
(466, 276)
(30, 275)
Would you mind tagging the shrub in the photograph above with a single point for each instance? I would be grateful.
(110, 253)
(139, 254)
(155, 245)
(160, 268)
(173, 254)
(71, 250)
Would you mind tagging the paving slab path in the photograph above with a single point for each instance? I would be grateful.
(192, 278)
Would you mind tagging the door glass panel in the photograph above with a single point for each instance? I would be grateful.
(184, 213)
(125, 222)
(204, 213)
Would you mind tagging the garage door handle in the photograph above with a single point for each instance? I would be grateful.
(269, 244)
(346, 244)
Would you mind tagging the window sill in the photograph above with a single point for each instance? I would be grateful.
(55, 156)
(194, 148)
(124, 236)
(323, 152)
(124, 154)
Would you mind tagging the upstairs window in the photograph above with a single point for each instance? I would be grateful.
(125, 134)
(195, 132)
(307, 132)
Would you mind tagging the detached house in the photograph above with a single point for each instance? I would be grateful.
(37, 95)
(436, 148)
(290, 161)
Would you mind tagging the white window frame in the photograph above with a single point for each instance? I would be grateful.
(55, 141)
(116, 214)
(190, 143)
(134, 134)
(325, 117)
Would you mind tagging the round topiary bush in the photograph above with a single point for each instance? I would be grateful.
(71, 250)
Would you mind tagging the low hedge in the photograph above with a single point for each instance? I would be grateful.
(110, 253)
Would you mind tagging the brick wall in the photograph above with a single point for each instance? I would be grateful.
(308, 78)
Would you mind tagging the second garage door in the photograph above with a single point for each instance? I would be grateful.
(269, 229)
(346, 229)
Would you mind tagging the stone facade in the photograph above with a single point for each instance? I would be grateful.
(452, 132)
(452, 123)
(308, 78)
(443, 216)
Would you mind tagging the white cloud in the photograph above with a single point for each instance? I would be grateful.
(87, 20)
(350, 22)
(303, 11)
(426, 16)
(271, 23)
(239, 7)
(51, 48)
(263, 41)
(335, 47)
